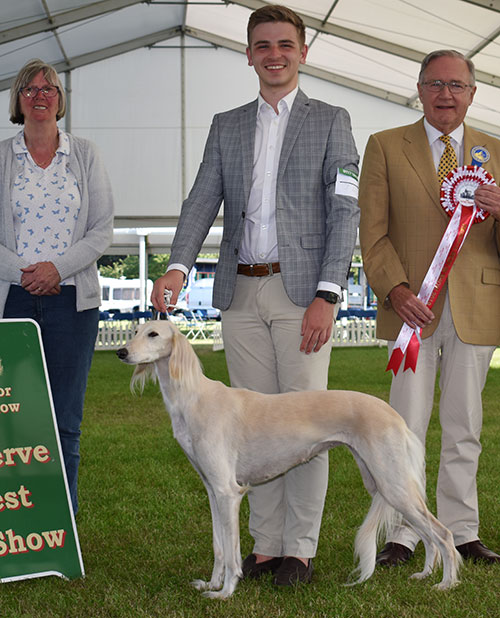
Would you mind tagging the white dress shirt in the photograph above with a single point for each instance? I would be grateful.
(260, 242)
(437, 146)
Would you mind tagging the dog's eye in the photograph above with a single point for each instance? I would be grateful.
(153, 334)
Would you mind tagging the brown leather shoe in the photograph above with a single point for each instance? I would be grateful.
(254, 570)
(478, 552)
(293, 571)
(393, 554)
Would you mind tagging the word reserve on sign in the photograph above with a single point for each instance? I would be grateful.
(38, 534)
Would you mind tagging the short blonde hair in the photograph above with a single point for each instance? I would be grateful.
(23, 78)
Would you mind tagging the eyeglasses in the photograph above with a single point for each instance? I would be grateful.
(454, 87)
(30, 92)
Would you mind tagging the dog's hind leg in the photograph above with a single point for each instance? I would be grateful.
(432, 532)
(435, 537)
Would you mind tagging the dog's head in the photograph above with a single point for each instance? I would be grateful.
(154, 341)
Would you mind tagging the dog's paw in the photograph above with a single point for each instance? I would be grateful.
(421, 575)
(216, 594)
(443, 585)
(200, 584)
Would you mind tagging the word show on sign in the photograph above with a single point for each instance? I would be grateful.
(12, 543)
(6, 407)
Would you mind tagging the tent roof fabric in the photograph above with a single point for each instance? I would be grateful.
(373, 46)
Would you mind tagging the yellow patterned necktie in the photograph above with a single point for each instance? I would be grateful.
(448, 160)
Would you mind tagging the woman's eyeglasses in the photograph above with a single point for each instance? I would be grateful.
(30, 92)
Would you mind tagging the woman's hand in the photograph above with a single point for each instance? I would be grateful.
(41, 279)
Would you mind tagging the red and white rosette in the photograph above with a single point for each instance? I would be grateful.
(457, 200)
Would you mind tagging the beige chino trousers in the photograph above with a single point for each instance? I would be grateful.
(464, 368)
(261, 332)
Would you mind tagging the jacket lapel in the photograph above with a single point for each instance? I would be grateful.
(417, 150)
(298, 114)
(248, 121)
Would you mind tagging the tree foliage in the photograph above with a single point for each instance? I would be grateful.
(128, 267)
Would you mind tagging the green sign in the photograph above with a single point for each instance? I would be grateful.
(38, 534)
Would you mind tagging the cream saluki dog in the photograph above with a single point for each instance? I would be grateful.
(236, 438)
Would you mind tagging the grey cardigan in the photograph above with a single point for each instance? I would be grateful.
(93, 231)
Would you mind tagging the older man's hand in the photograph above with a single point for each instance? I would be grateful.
(409, 307)
(487, 197)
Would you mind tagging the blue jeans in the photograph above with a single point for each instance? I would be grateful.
(68, 340)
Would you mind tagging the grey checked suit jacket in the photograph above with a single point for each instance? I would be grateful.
(316, 228)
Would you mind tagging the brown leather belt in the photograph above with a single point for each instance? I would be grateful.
(259, 270)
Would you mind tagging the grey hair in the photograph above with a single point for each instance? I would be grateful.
(449, 53)
(24, 77)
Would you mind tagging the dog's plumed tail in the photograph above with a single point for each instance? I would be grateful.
(382, 518)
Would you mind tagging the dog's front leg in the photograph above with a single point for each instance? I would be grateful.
(217, 578)
(228, 507)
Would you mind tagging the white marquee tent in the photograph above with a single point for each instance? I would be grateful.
(144, 79)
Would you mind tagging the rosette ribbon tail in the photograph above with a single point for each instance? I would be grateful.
(400, 348)
(412, 352)
(395, 360)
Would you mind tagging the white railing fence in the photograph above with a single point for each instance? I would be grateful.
(354, 332)
(114, 334)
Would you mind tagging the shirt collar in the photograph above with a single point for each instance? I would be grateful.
(19, 145)
(283, 104)
(434, 134)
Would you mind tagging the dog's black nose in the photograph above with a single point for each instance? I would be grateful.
(122, 353)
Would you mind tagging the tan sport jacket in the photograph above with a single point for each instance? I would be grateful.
(402, 223)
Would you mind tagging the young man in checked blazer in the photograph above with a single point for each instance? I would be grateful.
(285, 167)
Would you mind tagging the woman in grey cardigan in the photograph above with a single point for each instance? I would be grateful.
(56, 220)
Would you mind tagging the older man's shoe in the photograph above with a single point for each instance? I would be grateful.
(293, 571)
(253, 569)
(478, 552)
(393, 554)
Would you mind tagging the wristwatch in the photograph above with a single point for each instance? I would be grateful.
(330, 297)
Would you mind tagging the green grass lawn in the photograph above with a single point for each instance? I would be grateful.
(145, 528)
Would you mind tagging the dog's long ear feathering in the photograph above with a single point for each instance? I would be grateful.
(184, 367)
(142, 373)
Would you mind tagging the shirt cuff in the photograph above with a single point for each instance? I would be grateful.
(326, 286)
(180, 267)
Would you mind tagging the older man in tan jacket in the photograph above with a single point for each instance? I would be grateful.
(402, 223)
